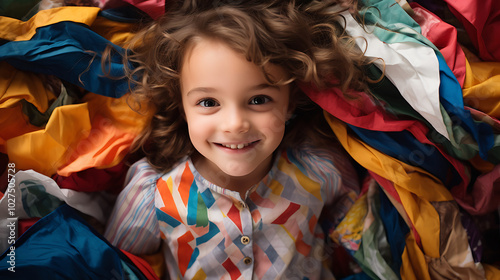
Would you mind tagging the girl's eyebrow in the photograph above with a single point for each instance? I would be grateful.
(252, 88)
(202, 89)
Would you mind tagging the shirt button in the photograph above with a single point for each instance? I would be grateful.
(247, 260)
(242, 204)
(245, 240)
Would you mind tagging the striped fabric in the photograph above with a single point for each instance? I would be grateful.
(209, 232)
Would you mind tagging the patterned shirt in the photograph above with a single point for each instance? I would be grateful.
(208, 232)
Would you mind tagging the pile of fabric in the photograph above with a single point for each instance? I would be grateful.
(427, 136)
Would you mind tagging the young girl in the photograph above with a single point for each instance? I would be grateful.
(239, 165)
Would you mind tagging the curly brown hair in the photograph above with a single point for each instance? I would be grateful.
(306, 40)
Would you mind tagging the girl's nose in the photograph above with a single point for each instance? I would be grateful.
(235, 121)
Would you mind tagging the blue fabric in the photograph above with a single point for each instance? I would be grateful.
(403, 146)
(396, 230)
(72, 52)
(63, 246)
(452, 100)
(398, 26)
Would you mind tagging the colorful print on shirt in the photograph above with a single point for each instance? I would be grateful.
(210, 232)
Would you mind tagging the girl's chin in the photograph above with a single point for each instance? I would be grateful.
(236, 170)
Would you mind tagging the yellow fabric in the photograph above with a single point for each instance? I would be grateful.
(414, 265)
(157, 263)
(16, 85)
(431, 209)
(16, 30)
(13, 123)
(96, 133)
(42, 150)
(415, 187)
(481, 89)
(349, 231)
(117, 32)
(492, 273)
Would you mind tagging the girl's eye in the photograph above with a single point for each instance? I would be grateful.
(207, 103)
(258, 100)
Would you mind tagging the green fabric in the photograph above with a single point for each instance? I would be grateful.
(460, 145)
(40, 119)
(392, 24)
(19, 9)
(37, 202)
(386, 91)
(374, 253)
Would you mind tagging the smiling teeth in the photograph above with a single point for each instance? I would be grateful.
(234, 146)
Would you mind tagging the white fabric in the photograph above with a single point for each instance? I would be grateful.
(413, 68)
(95, 204)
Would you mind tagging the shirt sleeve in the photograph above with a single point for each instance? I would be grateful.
(133, 225)
(334, 170)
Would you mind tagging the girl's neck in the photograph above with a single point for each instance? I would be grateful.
(241, 184)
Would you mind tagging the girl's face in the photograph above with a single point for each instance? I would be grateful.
(236, 119)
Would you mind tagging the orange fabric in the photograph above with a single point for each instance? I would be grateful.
(96, 133)
(492, 273)
(17, 30)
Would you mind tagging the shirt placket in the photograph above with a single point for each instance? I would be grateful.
(246, 265)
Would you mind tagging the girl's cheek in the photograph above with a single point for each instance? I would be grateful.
(276, 121)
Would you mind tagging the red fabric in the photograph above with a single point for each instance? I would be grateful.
(342, 264)
(444, 37)
(484, 196)
(481, 20)
(24, 224)
(154, 8)
(360, 112)
(283, 218)
(232, 269)
(142, 265)
(94, 180)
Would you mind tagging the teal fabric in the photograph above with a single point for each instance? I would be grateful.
(73, 53)
(374, 253)
(394, 24)
(63, 246)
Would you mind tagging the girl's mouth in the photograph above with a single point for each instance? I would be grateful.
(240, 146)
